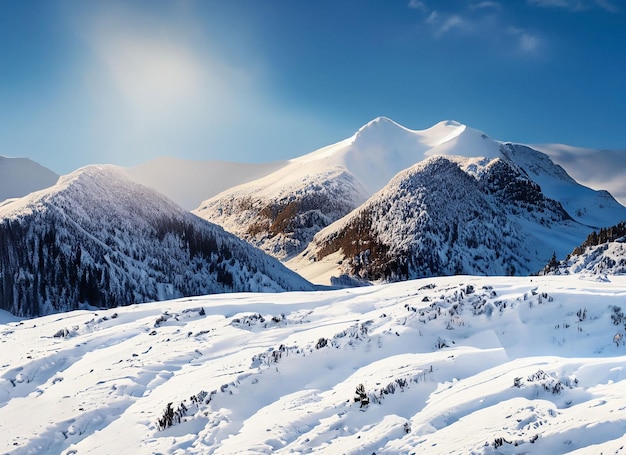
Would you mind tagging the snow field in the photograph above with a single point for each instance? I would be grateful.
(447, 365)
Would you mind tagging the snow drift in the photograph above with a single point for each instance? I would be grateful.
(442, 365)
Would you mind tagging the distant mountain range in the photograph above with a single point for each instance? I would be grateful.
(385, 204)
(20, 176)
(595, 168)
(189, 182)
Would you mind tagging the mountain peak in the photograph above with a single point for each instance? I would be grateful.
(101, 239)
(91, 172)
(381, 128)
(380, 120)
(449, 123)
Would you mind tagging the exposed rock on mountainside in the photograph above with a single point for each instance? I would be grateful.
(285, 223)
(444, 216)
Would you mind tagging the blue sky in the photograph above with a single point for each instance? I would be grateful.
(260, 80)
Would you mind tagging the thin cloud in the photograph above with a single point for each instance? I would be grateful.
(527, 42)
(485, 5)
(454, 21)
(483, 19)
(607, 5)
(576, 5)
(444, 23)
(418, 5)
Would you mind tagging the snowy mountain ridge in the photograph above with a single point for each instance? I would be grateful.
(450, 365)
(272, 212)
(97, 238)
(595, 168)
(437, 219)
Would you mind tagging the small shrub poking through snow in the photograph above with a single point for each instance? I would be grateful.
(360, 396)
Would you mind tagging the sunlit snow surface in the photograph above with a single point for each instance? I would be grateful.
(449, 365)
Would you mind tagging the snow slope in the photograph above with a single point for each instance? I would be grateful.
(20, 176)
(595, 208)
(602, 253)
(97, 238)
(451, 365)
(599, 169)
(189, 182)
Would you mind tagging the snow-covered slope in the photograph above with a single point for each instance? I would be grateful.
(595, 168)
(595, 208)
(602, 253)
(282, 211)
(97, 238)
(20, 176)
(453, 365)
(189, 182)
(446, 215)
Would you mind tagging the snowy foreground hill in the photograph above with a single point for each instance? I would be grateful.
(465, 365)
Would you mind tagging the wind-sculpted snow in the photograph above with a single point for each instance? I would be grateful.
(98, 239)
(441, 365)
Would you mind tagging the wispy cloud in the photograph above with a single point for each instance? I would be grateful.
(418, 4)
(576, 5)
(485, 5)
(482, 19)
(444, 23)
(527, 41)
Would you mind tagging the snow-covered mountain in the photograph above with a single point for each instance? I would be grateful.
(189, 182)
(447, 215)
(283, 211)
(595, 168)
(602, 253)
(20, 176)
(595, 208)
(453, 365)
(97, 238)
